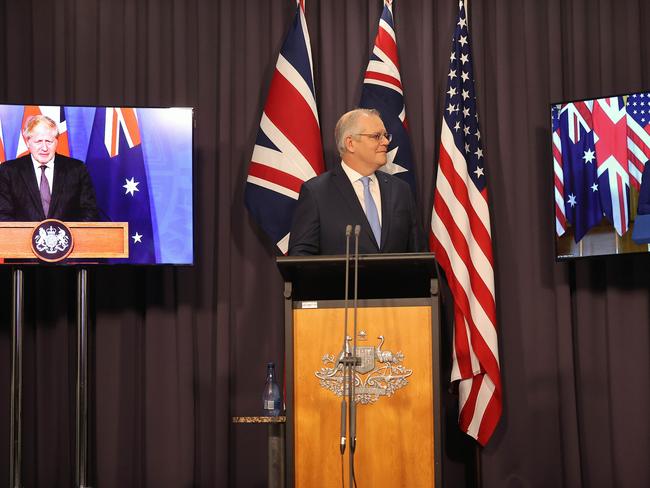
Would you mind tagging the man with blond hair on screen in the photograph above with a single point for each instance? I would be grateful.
(43, 184)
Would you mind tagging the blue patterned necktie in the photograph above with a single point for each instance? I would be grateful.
(371, 210)
(45, 191)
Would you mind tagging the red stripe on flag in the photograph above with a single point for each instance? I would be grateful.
(374, 75)
(462, 248)
(292, 115)
(621, 204)
(275, 176)
(387, 44)
(560, 216)
(457, 183)
(490, 419)
(467, 412)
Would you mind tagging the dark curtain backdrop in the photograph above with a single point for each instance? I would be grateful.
(178, 351)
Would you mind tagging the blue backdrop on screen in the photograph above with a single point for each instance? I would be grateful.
(141, 155)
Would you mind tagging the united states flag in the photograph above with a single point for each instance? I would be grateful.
(382, 90)
(461, 239)
(57, 114)
(560, 213)
(288, 150)
(638, 135)
(610, 127)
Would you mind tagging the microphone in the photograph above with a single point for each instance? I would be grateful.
(346, 350)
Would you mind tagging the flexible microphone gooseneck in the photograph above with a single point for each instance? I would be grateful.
(345, 348)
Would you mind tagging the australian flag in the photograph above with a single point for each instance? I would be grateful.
(581, 186)
(116, 165)
(382, 90)
(288, 150)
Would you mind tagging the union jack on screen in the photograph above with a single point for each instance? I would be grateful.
(461, 239)
(382, 90)
(57, 114)
(610, 128)
(288, 150)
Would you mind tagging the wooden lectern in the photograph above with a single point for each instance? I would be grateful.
(91, 241)
(397, 384)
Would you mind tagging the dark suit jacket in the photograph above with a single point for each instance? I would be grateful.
(73, 196)
(328, 203)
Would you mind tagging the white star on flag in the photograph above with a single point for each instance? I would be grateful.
(478, 171)
(136, 238)
(390, 167)
(589, 156)
(131, 186)
(572, 200)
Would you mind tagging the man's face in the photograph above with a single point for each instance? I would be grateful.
(369, 150)
(42, 143)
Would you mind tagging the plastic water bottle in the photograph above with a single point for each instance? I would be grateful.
(271, 397)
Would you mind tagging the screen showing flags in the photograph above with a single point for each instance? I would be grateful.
(383, 91)
(141, 163)
(288, 150)
(600, 149)
(461, 239)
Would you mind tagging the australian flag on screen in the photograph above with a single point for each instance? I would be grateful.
(116, 165)
(581, 188)
(383, 91)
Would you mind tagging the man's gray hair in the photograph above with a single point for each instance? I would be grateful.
(348, 125)
(34, 120)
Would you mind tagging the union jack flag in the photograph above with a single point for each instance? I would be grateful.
(610, 127)
(461, 239)
(288, 150)
(638, 135)
(560, 213)
(57, 114)
(382, 90)
(116, 165)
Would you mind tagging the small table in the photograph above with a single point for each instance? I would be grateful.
(275, 446)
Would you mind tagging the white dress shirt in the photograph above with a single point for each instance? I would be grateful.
(49, 172)
(355, 179)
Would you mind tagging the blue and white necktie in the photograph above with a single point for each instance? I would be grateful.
(371, 210)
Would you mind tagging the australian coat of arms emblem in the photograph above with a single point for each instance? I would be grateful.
(380, 372)
(52, 240)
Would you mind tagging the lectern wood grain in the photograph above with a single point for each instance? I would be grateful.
(395, 434)
(91, 239)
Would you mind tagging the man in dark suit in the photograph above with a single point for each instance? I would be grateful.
(44, 184)
(355, 192)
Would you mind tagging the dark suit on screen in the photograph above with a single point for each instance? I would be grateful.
(73, 195)
(328, 203)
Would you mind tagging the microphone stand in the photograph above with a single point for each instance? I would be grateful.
(355, 361)
(345, 349)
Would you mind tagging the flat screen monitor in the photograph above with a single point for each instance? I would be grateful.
(601, 189)
(138, 162)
